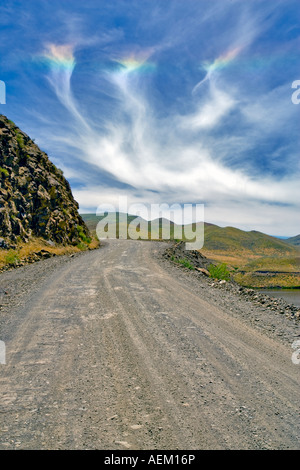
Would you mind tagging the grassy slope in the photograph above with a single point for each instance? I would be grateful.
(294, 240)
(255, 259)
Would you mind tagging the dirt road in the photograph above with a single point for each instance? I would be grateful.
(112, 350)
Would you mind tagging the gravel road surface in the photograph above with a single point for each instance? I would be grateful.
(118, 349)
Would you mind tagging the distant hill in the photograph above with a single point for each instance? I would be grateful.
(219, 239)
(231, 239)
(294, 240)
(91, 220)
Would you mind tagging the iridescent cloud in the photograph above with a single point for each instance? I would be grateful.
(222, 61)
(59, 57)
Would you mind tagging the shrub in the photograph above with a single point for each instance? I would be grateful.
(20, 140)
(185, 263)
(12, 257)
(82, 235)
(3, 171)
(81, 246)
(219, 271)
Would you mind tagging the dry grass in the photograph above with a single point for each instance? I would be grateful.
(94, 243)
(228, 258)
(280, 271)
(25, 251)
(272, 280)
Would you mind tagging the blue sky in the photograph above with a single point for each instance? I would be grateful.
(163, 101)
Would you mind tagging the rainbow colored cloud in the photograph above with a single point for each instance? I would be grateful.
(59, 57)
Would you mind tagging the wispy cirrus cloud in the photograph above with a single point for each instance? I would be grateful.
(151, 156)
(188, 103)
(218, 64)
(61, 62)
(210, 110)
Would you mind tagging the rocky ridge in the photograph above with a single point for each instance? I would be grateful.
(35, 198)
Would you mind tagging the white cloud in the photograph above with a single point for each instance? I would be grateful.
(215, 107)
(272, 111)
(149, 156)
(176, 159)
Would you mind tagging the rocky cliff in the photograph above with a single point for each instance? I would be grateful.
(35, 198)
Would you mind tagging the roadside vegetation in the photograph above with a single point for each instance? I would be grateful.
(219, 271)
(38, 248)
(184, 262)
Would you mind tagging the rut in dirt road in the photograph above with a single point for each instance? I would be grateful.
(112, 350)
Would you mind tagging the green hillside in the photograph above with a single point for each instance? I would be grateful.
(231, 239)
(146, 231)
(91, 220)
(294, 240)
(254, 258)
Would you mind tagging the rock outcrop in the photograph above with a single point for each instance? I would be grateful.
(35, 198)
(177, 251)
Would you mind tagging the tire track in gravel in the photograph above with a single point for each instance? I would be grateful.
(113, 351)
(157, 377)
